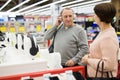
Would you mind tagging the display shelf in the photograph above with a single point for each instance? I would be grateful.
(81, 69)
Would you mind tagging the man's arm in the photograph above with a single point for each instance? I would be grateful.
(83, 46)
(50, 33)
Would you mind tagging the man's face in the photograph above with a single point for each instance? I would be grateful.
(67, 17)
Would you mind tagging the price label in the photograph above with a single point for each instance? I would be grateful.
(49, 26)
(38, 28)
(21, 29)
(3, 29)
(12, 29)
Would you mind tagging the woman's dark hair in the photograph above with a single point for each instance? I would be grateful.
(105, 11)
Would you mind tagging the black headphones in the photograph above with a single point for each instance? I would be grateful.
(16, 45)
(22, 41)
(34, 49)
(8, 40)
(2, 38)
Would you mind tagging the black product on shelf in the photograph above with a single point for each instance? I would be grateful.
(88, 24)
(34, 49)
(2, 38)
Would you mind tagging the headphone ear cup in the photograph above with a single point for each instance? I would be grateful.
(16, 46)
(8, 40)
(22, 41)
(33, 49)
(23, 46)
(2, 38)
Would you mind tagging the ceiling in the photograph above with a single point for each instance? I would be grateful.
(14, 3)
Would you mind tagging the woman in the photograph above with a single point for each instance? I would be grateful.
(105, 46)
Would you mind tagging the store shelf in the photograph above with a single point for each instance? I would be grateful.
(81, 69)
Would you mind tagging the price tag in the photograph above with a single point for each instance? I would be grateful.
(12, 29)
(38, 28)
(49, 26)
(90, 18)
(21, 29)
(3, 29)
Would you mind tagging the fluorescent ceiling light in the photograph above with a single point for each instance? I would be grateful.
(46, 9)
(35, 9)
(24, 2)
(56, 2)
(43, 13)
(93, 4)
(32, 5)
(72, 2)
(84, 3)
(5, 4)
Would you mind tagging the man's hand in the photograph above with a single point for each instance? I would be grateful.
(85, 59)
(58, 21)
(70, 63)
